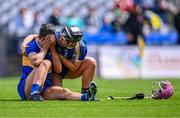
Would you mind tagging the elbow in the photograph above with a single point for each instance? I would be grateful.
(57, 67)
(58, 70)
(36, 63)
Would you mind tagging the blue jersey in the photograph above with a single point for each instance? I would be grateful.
(69, 53)
(27, 66)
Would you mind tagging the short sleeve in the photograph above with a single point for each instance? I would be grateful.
(83, 51)
(32, 47)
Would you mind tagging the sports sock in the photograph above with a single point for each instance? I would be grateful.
(84, 97)
(84, 90)
(35, 88)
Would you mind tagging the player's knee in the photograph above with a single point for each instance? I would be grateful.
(47, 64)
(91, 62)
(66, 93)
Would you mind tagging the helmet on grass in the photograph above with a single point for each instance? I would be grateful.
(162, 90)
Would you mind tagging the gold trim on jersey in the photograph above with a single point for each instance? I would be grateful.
(25, 60)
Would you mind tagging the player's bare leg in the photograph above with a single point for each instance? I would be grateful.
(87, 70)
(37, 77)
(59, 93)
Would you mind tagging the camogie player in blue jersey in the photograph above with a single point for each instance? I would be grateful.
(72, 50)
(39, 61)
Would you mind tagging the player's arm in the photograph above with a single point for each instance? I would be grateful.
(57, 65)
(71, 65)
(74, 65)
(37, 58)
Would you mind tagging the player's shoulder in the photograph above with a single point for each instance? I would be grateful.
(28, 41)
(83, 43)
(30, 38)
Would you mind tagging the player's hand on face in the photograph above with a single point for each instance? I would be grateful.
(48, 41)
(53, 43)
(52, 40)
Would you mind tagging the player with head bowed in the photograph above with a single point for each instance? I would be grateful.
(72, 50)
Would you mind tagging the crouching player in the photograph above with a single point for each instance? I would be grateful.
(36, 82)
(72, 50)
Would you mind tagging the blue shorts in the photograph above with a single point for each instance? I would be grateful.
(64, 71)
(21, 86)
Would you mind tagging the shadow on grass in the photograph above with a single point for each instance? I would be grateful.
(10, 100)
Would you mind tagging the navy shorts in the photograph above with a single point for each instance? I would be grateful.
(64, 71)
(21, 86)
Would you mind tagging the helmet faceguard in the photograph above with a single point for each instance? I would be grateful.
(71, 33)
(162, 90)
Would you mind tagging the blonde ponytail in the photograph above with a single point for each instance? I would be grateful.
(77, 51)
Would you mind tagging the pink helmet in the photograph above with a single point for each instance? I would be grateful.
(162, 90)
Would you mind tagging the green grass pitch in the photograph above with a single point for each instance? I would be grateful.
(11, 106)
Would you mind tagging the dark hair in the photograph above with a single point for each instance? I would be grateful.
(46, 29)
